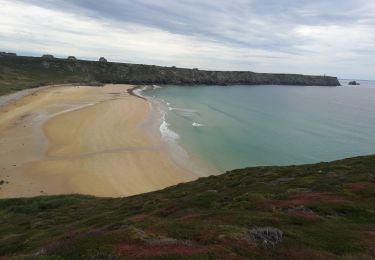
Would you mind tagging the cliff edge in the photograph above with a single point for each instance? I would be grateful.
(19, 72)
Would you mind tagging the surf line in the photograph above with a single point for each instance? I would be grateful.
(132, 91)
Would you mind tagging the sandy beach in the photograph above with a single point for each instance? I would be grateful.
(81, 139)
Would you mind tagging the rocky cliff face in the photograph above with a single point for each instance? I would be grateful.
(69, 70)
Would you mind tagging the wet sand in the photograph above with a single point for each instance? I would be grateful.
(87, 140)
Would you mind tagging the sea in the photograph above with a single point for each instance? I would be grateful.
(231, 127)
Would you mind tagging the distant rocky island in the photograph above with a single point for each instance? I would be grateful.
(19, 72)
(354, 83)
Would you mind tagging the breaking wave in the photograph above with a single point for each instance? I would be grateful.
(156, 86)
(166, 132)
(197, 124)
(139, 91)
(184, 111)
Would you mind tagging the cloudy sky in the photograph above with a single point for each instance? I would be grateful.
(335, 37)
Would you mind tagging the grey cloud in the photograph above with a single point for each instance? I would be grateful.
(271, 26)
(230, 22)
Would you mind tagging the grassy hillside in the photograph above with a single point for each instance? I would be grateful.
(18, 73)
(320, 211)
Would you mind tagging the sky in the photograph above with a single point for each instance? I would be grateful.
(332, 37)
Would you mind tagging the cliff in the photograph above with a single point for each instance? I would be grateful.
(319, 211)
(20, 72)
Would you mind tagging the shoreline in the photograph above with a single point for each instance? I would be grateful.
(132, 90)
(93, 157)
(181, 156)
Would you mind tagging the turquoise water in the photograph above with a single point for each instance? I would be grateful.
(238, 126)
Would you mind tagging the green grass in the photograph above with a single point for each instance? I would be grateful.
(325, 211)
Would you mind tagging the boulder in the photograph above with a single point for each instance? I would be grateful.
(266, 235)
(72, 58)
(102, 59)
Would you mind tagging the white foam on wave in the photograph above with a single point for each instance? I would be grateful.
(166, 132)
(184, 111)
(197, 124)
(138, 91)
(156, 86)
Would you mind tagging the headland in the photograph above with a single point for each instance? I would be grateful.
(47, 70)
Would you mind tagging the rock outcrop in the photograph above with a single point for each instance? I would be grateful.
(48, 57)
(11, 54)
(72, 58)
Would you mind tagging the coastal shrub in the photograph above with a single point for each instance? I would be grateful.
(329, 235)
(182, 231)
(26, 206)
(205, 200)
(209, 219)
